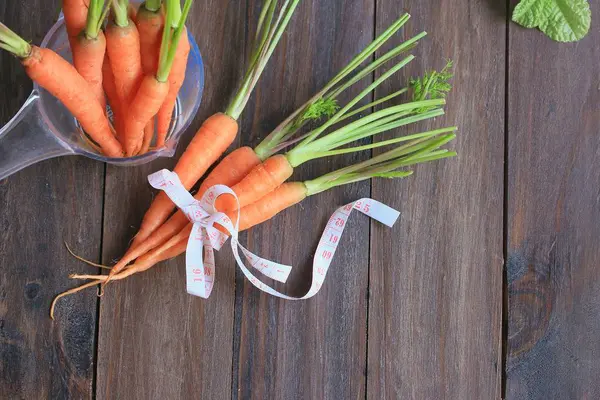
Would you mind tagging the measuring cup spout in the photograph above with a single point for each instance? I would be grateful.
(26, 139)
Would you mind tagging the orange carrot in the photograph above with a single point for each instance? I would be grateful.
(123, 48)
(88, 57)
(61, 79)
(176, 78)
(75, 13)
(263, 179)
(272, 204)
(145, 105)
(231, 170)
(108, 82)
(150, 26)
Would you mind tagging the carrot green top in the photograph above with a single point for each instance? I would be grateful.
(268, 34)
(13, 43)
(97, 13)
(120, 11)
(325, 103)
(152, 5)
(171, 36)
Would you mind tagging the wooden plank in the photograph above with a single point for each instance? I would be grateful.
(155, 340)
(40, 207)
(436, 278)
(553, 213)
(315, 348)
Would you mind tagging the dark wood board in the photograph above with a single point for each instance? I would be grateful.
(313, 349)
(553, 213)
(40, 207)
(436, 278)
(155, 340)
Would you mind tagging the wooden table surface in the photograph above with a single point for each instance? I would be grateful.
(488, 286)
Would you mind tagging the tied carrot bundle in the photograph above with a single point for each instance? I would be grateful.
(238, 164)
(89, 48)
(123, 48)
(264, 178)
(61, 79)
(218, 132)
(154, 88)
(421, 148)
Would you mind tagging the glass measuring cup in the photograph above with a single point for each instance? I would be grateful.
(43, 128)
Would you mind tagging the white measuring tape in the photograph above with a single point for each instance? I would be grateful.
(205, 238)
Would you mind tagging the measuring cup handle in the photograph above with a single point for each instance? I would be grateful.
(26, 140)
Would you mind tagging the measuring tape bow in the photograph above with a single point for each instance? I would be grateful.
(205, 238)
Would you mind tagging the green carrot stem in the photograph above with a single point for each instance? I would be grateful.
(170, 39)
(385, 142)
(120, 10)
(265, 49)
(97, 13)
(373, 104)
(403, 156)
(377, 63)
(152, 5)
(262, 32)
(289, 127)
(315, 134)
(371, 130)
(336, 138)
(409, 148)
(13, 43)
(370, 49)
(177, 19)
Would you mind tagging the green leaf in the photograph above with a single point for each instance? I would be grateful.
(561, 20)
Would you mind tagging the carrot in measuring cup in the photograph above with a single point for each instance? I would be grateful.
(89, 48)
(62, 80)
(123, 49)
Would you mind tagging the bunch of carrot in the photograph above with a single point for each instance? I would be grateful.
(135, 59)
(259, 176)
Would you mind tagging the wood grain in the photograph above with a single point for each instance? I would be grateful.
(40, 207)
(553, 214)
(155, 340)
(314, 349)
(436, 278)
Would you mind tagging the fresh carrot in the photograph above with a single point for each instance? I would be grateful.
(75, 13)
(149, 22)
(123, 48)
(61, 79)
(89, 48)
(240, 162)
(176, 78)
(108, 82)
(219, 131)
(154, 88)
